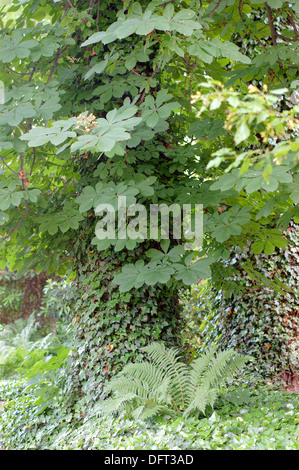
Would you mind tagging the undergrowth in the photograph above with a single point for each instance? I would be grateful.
(267, 420)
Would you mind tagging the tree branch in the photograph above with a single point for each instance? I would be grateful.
(272, 28)
(70, 4)
(214, 10)
(18, 224)
(98, 16)
(292, 22)
(7, 166)
(33, 161)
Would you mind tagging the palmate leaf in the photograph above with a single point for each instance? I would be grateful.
(144, 22)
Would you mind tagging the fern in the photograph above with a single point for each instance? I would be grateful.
(177, 372)
(165, 384)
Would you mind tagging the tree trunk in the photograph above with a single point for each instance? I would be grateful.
(259, 321)
(110, 327)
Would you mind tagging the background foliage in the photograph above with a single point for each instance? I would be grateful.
(177, 102)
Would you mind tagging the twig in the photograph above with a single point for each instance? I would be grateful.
(127, 160)
(292, 22)
(22, 160)
(54, 66)
(136, 73)
(70, 4)
(58, 54)
(155, 71)
(271, 24)
(141, 99)
(91, 5)
(241, 16)
(214, 10)
(285, 38)
(13, 171)
(98, 16)
(14, 71)
(18, 224)
(32, 165)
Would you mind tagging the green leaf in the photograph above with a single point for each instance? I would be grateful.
(258, 246)
(129, 276)
(266, 209)
(242, 133)
(275, 3)
(3, 218)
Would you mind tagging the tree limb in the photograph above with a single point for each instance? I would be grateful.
(214, 10)
(272, 28)
(292, 22)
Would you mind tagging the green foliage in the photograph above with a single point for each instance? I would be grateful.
(92, 111)
(268, 421)
(57, 297)
(47, 376)
(11, 296)
(244, 314)
(10, 299)
(165, 103)
(165, 385)
(24, 349)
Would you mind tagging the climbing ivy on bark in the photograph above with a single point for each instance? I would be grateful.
(186, 102)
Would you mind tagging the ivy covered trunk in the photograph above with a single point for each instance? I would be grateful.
(111, 327)
(256, 319)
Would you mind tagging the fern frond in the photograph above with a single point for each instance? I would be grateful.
(167, 385)
(237, 362)
(145, 380)
(197, 374)
(218, 367)
(203, 397)
(144, 412)
(128, 385)
(113, 405)
(224, 365)
(162, 393)
(146, 372)
(169, 361)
